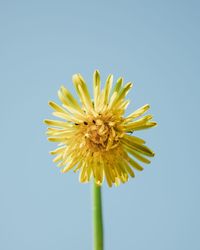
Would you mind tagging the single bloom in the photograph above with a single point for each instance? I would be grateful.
(94, 137)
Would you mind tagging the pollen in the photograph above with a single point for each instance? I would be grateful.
(101, 134)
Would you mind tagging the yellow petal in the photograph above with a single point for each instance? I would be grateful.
(140, 148)
(118, 85)
(107, 174)
(56, 123)
(57, 158)
(70, 166)
(67, 117)
(96, 88)
(135, 139)
(146, 126)
(140, 157)
(85, 101)
(107, 88)
(70, 98)
(137, 113)
(67, 104)
(135, 165)
(116, 91)
(81, 89)
(57, 139)
(129, 170)
(57, 108)
(140, 122)
(122, 94)
(57, 150)
(82, 175)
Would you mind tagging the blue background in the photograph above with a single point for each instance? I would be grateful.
(155, 44)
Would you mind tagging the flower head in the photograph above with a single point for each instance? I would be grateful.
(94, 136)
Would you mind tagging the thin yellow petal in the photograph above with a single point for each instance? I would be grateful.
(89, 173)
(118, 85)
(145, 126)
(57, 158)
(135, 139)
(64, 133)
(70, 166)
(81, 89)
(137, 147)
(70, 98)
(66, 103)
(135, 165)
(116, 91)
(140, 122)
(56, 123)
(67, 117)
(107, 175)
(96, 87)
(122, 94)
(86, 102)
(82, 176)
(78, 167)
(129, 170)
(107, 88)
(137, 113)
(140, 157)
(57, 151)
(57, 139)
(56, 107)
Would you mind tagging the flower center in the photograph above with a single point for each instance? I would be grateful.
(101, 135)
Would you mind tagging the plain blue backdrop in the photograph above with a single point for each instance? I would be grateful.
(155, 44)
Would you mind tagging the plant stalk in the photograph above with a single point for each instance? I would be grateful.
(97, 218)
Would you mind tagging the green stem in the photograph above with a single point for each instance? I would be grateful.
(97, 218)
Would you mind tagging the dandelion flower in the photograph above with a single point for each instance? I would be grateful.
(94, 136)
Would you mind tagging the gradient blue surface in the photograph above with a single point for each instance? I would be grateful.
(155, 44)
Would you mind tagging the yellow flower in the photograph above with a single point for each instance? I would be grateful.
(94, 136)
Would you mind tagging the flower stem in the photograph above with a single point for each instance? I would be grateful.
(97, 218)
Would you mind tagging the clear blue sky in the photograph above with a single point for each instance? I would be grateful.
(155, 44)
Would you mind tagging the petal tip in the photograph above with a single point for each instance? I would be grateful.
(50, 103)
(97, 72)
(46, 121)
